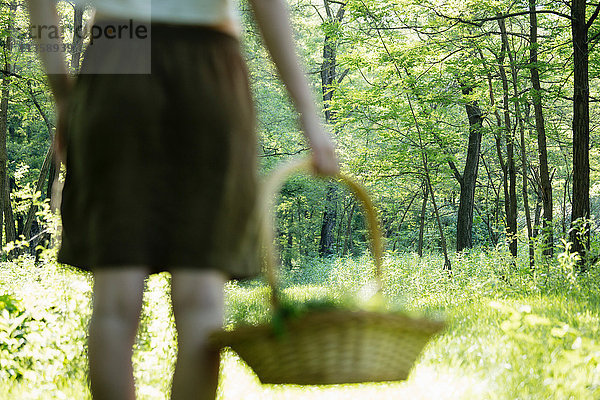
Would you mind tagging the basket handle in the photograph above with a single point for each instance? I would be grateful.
(272, 185)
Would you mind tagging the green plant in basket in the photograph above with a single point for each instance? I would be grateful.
(330, 340)
(290, 308)
(368, 298)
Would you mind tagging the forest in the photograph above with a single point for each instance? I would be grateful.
(472, 124)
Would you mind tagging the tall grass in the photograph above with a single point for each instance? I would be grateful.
(512, 333)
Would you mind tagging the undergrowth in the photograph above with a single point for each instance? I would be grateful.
(512, 332)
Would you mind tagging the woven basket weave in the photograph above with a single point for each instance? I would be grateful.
(332, 346)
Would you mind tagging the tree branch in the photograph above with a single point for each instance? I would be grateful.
(593, 17)
(340, 13)
(455, 171)
(285, 153)
(517, 14)
(343, 75)
(478, 22)
(10, 73)
(327, 9)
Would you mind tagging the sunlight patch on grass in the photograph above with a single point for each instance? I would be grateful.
(155, 347)
(426, 382)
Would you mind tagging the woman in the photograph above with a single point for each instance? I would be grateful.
(161, 170)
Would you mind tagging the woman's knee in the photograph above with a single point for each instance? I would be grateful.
(197, 298)
(118, 293)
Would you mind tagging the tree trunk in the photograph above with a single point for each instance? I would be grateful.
(504, 165)
(511, 194)
(511, 217)
(10, 231)
(51, 177)
(47, 166)
(545, 184)
(328, 80)
(348, 240)
(564, 205)
(6, 217)
(526, 200)
(422, 224)
(328, 224)
(287, 252)
(328, 72)
(38, 188)
(3, 153)
(515, 77)
(464, 226)
(447, 265)
(580, 213)
(537, 215)
(340, 222)
(496, 209)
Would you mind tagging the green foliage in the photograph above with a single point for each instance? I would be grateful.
(247, 304)
(14, 328)
(509, 331)
(56, 305)
(23, 198)
(403, 63)
(572, 349)
(28, 137)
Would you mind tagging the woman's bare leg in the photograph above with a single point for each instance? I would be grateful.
(116, 311)
(198, 303)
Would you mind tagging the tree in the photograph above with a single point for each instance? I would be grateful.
(540, 127)
(329, 81)
(467, 181)
(580, 214)
(5, 204)
(510, 190)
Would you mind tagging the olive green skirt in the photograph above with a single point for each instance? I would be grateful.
(162, 167)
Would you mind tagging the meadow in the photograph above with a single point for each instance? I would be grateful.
(512, 333)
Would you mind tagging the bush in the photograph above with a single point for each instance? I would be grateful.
(14, 328)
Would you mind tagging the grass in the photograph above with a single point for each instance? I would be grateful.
(511, 334)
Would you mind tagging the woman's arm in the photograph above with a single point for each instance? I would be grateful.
(44, 19)
(273, 20)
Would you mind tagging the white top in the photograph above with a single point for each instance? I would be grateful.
(199, 12)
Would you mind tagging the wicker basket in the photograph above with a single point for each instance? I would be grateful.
(332, 346)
